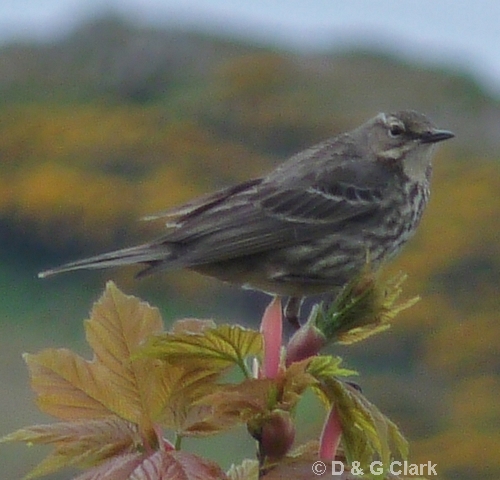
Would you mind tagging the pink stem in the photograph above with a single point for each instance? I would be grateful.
(271, 328)
(330, 436)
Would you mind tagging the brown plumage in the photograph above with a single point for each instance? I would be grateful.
(308, 226)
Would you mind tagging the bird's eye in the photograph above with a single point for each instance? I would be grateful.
(395, 130)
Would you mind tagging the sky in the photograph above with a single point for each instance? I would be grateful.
(460, 33)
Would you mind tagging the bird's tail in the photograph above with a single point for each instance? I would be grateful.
(148, 254)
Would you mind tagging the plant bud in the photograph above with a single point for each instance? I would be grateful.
(277, 434)
(306, 342)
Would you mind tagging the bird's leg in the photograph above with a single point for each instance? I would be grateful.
(292, 310)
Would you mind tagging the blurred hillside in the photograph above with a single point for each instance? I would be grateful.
(114, 122)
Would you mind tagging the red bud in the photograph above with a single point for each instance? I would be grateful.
(306, 342)
(277, 434)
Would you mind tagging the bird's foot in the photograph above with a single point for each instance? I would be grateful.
(292, 311)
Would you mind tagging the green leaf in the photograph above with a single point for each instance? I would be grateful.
(365, 307)
(367, 434)
(327, 366)
(215, 348)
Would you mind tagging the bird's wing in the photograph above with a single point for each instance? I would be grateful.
(266, 216)
(200, 204)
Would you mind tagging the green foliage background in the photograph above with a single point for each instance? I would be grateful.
(114, 122)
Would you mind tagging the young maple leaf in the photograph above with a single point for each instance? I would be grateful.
(183, 391)
(72, 388)
(365, 307)
(175, 465)
(205, 351)
(110, 405)
(215, 348)
(163, 464)
(142, 379)
(367, 434)
(84, 443)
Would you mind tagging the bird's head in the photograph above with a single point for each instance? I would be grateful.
(406, 136)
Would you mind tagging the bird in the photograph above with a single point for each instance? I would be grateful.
(307, 227)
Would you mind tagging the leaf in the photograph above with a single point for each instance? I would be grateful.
(195, 421)
(299, 465)
(160, 465)
(327, 366)
(364, 307)
(80, 443)
(254, 398)
(72, 388)
(117, 468)
(366, 433)
(183, 390)
(307, 450)
(247, 470)
(191, 325)
(118, 325)
(111, 402)
(234, 404)
(215, 348)
(303, 464)
(68, 387)
(177, 465)
(295, 380)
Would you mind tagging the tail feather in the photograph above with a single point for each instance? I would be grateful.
(147, 254)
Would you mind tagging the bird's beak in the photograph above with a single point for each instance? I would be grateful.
(434, 136)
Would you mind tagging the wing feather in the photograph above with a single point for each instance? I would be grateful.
(266, 218)
(201, 204)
